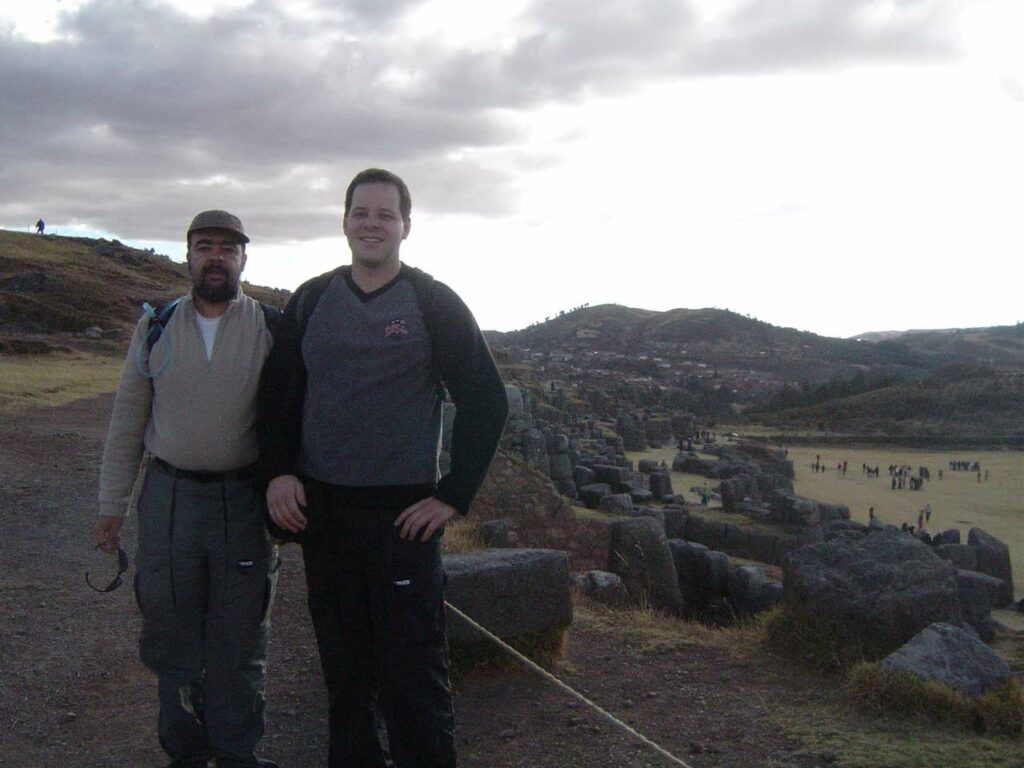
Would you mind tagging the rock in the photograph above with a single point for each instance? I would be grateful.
(583, 476)
(952, 655)
(647, 466)
(949, 536)
(878, 592)
(684, 462)
(675, 521)
(735, 489)
(993, 559)
(592, 494)
(535, 450)
(602, 586)
(616, 504)
(566, 487)
(960, 555)
(656, 514)
(747, 589)
(515, 402)
(641, 496)
(561, 467)
(495, 534)
(640, 555)
(511, 592)
(661, 483)
(977, 591)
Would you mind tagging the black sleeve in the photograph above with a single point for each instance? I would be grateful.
(471, 377)
(279, 402)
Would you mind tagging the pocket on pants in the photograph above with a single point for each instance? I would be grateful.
(415, 591)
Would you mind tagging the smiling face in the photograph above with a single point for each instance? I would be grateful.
(216, 259)
(374, 226)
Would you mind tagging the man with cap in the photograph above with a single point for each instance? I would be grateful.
(206, 568)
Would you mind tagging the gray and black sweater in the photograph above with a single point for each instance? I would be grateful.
(351, 393)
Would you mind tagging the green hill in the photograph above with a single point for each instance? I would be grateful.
(52, 284)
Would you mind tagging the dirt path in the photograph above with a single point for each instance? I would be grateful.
(73, 692)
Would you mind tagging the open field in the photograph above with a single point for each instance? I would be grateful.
(55, 379)
(958, 500)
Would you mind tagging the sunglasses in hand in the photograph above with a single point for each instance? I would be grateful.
(122, 566)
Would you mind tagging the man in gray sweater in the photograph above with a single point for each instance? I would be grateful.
(350, 427)
(206, 569)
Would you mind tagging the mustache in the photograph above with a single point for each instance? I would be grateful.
(211, 269)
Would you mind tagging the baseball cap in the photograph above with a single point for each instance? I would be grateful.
(217, 220)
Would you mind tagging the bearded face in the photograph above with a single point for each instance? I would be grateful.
(215, 262)
(215, 282)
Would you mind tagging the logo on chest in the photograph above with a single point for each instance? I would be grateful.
(396, 327)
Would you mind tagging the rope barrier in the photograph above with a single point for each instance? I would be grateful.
(572, 692)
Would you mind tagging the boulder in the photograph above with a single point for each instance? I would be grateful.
(566, 487)
(661, 483)
(515, 402)
(675, 521)
(592, 494)
(656, 514)
(640, 555)
(952, 655)
(647, 466)
(616, 504)
(736, 489)
(583, 476)
(495, 534)
(535, 450)
(977, 591)
(641, 496)
(960, 555)
(878, 591)
(993, 559)
(511, 592)
(561, 467)
(748, 589)
(602, 586)
(684, 462)
(949, 536)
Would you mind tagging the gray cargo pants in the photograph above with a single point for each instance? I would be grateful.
(205, 581)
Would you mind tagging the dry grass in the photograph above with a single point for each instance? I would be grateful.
(647, 629)
(461, 535)
(54, 379)
(856, 736)
(886, 693)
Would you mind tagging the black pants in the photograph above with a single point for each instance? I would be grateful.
(377, 604)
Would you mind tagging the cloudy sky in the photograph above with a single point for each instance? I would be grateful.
(836, 166)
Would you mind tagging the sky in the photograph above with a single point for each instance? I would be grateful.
(836, 166)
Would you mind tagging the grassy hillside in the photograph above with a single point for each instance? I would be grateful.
(51, 284)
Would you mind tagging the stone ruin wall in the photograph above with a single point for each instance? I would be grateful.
(538, 514)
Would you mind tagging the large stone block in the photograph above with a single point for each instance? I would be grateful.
(640, 556)
(953, 655)
(993, 559)
(510, 592)
(878, 592)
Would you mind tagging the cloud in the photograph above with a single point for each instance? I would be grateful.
(138, 114)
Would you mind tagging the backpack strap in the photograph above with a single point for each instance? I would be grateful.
(158, 319)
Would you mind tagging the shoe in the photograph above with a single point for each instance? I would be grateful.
(189, 762)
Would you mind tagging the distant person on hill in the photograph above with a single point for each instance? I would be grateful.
(206, 566)
(350, 425)
(40, 226)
